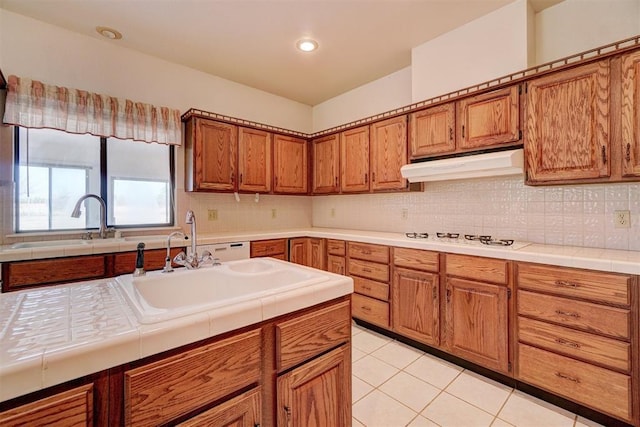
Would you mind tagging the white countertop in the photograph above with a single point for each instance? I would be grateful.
(55, 334)
(567, 256)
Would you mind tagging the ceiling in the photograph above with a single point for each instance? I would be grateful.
(252, 42)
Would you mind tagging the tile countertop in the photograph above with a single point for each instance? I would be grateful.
(567, 256)
(55, 334)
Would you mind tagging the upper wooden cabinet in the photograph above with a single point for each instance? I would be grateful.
(489, 119)
(631, 114)
(254, 160)
(326, 164)
(210, 156)
(354, 156)
(290, 165)
(566, 134)
(432, 131)
(388, 153)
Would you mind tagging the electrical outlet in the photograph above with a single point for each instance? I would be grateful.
(273, 213)
(622, 219)
(405, 213)
(333, 212)
(212, 214)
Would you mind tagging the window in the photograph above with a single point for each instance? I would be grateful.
(54, 169)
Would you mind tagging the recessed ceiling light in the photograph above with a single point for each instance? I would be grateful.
(109, 33)
(307, 45)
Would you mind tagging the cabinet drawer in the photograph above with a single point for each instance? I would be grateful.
(67, 409)
(55, 270)
(614, 322)
(305, 336)
(591, 285)
(370, 310)
(336, 247)
(470, 267)
(370, 270)
(154, 259)
(582, 345)
(369, 252)
(243, 410)
(599, 388)
(161, 391)
(268, 247)
(371, 288)
(416, 259)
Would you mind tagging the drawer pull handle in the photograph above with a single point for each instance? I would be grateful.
(567, 343)
(628, 156)
(366, 308)
(367, 288)
(567, 377)
(366, 252)
(565, 284)
(366, 270)
(568, 314)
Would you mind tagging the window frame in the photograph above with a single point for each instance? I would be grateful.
(104, 189)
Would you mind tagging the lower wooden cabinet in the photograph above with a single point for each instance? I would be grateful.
(241, 411)
(477, 323)
(317, 393)
(275, 248)
(415, 307)
(308, 251)
(71, 408)
(336, 264)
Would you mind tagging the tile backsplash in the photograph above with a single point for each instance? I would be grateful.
(579, 215)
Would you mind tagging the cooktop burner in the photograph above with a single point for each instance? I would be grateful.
(469, 239)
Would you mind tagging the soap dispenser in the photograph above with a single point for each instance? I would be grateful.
(139, 271)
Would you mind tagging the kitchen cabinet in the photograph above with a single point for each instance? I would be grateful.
(318, 392)
(631, 114)
(210, 155)
(290, 165)
(241, 411)
(254, 160)
(368, 265)
(308, 251)
(19, 275)
(415, 290)
(567, 116)
(354, 160)
(326, 165)
(388, 146)
(477, 310)
(336, 251)
(71, 408)
(432, 131)
(489, 119)
(275, 248)
(575, 337)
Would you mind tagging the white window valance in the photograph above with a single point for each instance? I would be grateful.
(33, 104)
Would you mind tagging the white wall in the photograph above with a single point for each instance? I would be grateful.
(488, 47)
(31, 48)
(574, 26)
(388, 93)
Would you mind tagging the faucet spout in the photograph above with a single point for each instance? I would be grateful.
(103, 212)
(193, 261)
(191, 219)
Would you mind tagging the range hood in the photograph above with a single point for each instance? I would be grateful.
(510, 162)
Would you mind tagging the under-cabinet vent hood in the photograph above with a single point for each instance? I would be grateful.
(509, 162)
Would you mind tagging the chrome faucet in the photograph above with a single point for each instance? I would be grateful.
(193, 261)
(103, 230)
(167, 265)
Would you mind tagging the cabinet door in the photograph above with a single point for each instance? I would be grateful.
(431, 131)
(214, 156)
(290, 165)
(489, 119)
(354, 160)
(254, 160)
(567, 125)
(73, 408)
(388, 154)
(317, 393)
(415, 305)
(298, 250)
(477, 323)
(326, 164)
(317, 253)
(241, 411)
(336, 264)
(631, 114)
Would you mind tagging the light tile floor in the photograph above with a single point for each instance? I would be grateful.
(397, 385)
